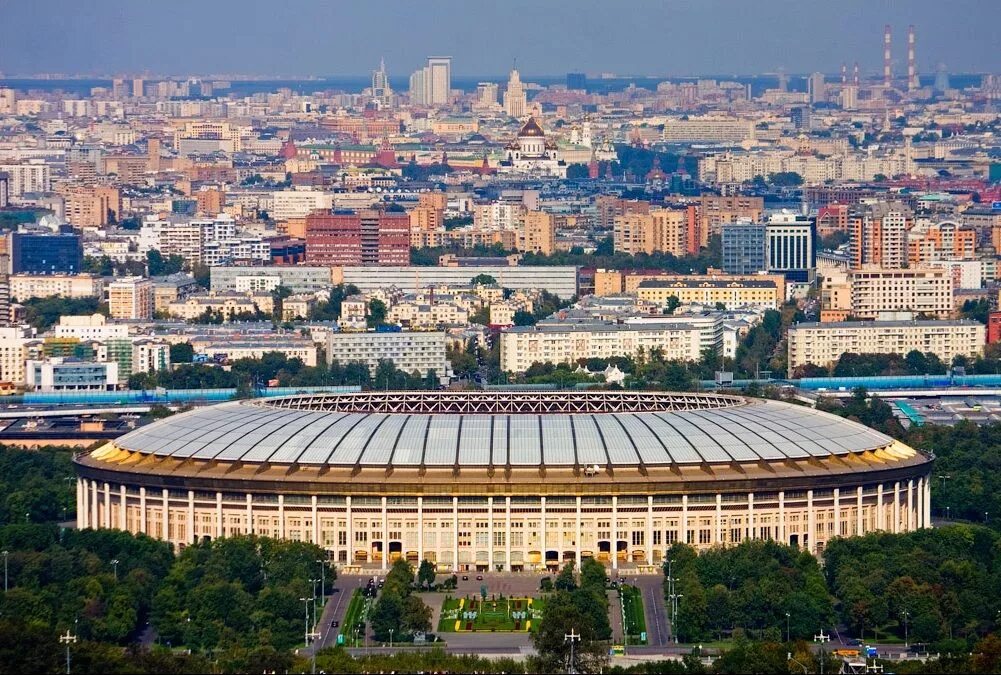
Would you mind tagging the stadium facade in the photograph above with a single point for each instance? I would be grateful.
(505, 480)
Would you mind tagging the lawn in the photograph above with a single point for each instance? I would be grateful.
(632, 612)
(357, 613)
(500, 615)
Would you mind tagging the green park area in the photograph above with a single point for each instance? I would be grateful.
(499, 615)
(634, 622)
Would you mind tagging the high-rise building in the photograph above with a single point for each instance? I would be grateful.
(439, 79)
(418, 87)
(515, 99)
(576, 81)
(366, 237)
(879, 235)
(486, 94)
(381, 91)
(743, 248)
(4, 189)
(138, 87)
(790, 246)
(539, 233)
(131, 298)
(800, 117)
(817, 88)
(941, 78)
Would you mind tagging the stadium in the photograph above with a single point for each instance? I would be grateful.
(509, 481)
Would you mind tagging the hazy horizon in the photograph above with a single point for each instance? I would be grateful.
(637, 38)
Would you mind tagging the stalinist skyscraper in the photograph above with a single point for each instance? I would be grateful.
(515, 101)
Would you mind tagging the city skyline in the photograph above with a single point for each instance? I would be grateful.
(664, 39)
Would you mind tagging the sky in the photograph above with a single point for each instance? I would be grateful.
(545, 37)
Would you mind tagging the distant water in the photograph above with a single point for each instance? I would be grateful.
(355, 83)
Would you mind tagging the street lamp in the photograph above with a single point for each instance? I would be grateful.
(390, 639)
(5, 554)
(67, 640)
(323, 581)
(314, 582)
(305, 603)
(905, 614)
(114, 563)
(821, 639)
(571, 637)
(787, 626)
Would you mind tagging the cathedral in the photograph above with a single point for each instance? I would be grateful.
(531, 153)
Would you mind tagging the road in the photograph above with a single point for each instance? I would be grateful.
(334, 610)
(658, 630)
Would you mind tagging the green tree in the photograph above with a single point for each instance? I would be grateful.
(560, 616)
(376, 313)
(483, 280)
(181, 352)
(565, 579)
(426, 575)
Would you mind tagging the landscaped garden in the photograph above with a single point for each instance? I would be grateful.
(632, 614)
(495, 614)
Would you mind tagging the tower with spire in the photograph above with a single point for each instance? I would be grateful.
(382, 93)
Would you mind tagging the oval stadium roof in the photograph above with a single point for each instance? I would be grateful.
(513, 429)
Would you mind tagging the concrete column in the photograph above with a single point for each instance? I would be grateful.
(192, 535)
(718, 532)
(249, 529)
(106, 519)
(81, 503)
(858, 515)
(684, 519)
(385, 535)
(910, 505)
(783, 530)
(545, 529)
(218, 516)
(281, 516)
(896, 507)
(420, 530)
(166, 515)
(578, 535)
(837, 512)
(455, 534)
(351, 531)
(880, 509)
(919, 509)
(507, 537)
(750, 516)
(316, 522)
(490, 535)
(95, 506)
(811, 522)
(142, 509)
(649, 530)
(123, 521)
(615, 532)
(928, 502)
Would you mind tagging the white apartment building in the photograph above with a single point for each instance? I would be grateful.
(287, 204)
(522, 346)
(927, 291)
(737, 168)
(822, 344)
(30, 176)
(207, 241)
(709, 129)
(59, 374)
(409, 351)
(24, 286)
(93, 327)
(12, 352)
(249, 347)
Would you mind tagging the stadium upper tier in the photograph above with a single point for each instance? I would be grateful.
(522, 429)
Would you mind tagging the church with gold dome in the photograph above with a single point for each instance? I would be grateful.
(531, 153)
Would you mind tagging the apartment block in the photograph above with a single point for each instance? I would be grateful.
(521, 346)
(409, 351)
(822, 344)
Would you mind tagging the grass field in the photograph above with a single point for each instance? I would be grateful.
(356, 613)
(632, 610)
(503, 615)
